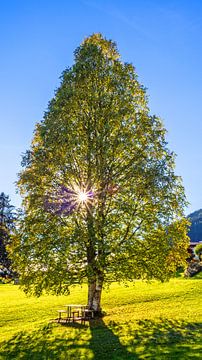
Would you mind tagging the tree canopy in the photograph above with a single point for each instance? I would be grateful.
(7, 218)
(101, 198)
(198, 251)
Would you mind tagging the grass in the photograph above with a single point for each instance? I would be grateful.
(142, 321)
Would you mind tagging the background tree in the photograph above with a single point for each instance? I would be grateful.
(7, 218)
(198, 251)
(101, 200)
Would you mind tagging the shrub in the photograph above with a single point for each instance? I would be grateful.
(198, 251)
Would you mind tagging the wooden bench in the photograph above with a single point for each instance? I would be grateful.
(75, 313)
(88, 314)
(60, 312)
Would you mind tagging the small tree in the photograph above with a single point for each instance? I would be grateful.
(101, 200)
(6, 227)
(198, 251)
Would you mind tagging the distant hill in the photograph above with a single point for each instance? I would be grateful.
(195, 232)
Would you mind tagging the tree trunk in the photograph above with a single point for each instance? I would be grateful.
(95, 276)
(94, 295)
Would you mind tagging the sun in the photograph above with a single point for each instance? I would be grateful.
(69, 199)
(82, 196)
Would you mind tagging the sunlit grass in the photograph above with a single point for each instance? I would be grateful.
(142, 321)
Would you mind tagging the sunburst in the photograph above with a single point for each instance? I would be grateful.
(75, 197)
(67, 200)
(82, 196)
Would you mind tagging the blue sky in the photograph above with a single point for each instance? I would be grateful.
(163, 40)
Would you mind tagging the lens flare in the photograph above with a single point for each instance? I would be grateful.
(67, 200)
(82, 196)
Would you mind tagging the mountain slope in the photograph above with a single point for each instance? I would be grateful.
(195, 232)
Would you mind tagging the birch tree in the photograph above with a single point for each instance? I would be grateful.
(101, 201)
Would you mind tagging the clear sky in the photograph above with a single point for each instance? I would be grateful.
(163, 40)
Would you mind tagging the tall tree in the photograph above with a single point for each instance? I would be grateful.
(101, 199)
(6, 227)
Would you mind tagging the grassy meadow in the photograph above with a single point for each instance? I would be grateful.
(142, 321)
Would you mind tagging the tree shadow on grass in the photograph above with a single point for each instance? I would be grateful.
(105, 344)
(162, 339)
(147, 339)
(47, 343)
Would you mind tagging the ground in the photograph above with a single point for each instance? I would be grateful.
(142, 321)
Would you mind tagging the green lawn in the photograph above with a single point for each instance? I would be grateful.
(143, 321)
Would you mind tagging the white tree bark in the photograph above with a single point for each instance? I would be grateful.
(94, 294)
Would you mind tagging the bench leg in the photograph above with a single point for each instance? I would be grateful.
(59, 317)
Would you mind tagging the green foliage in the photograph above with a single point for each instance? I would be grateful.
(7, 218)
(154, 321)
(198, 251)
(98, 136)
